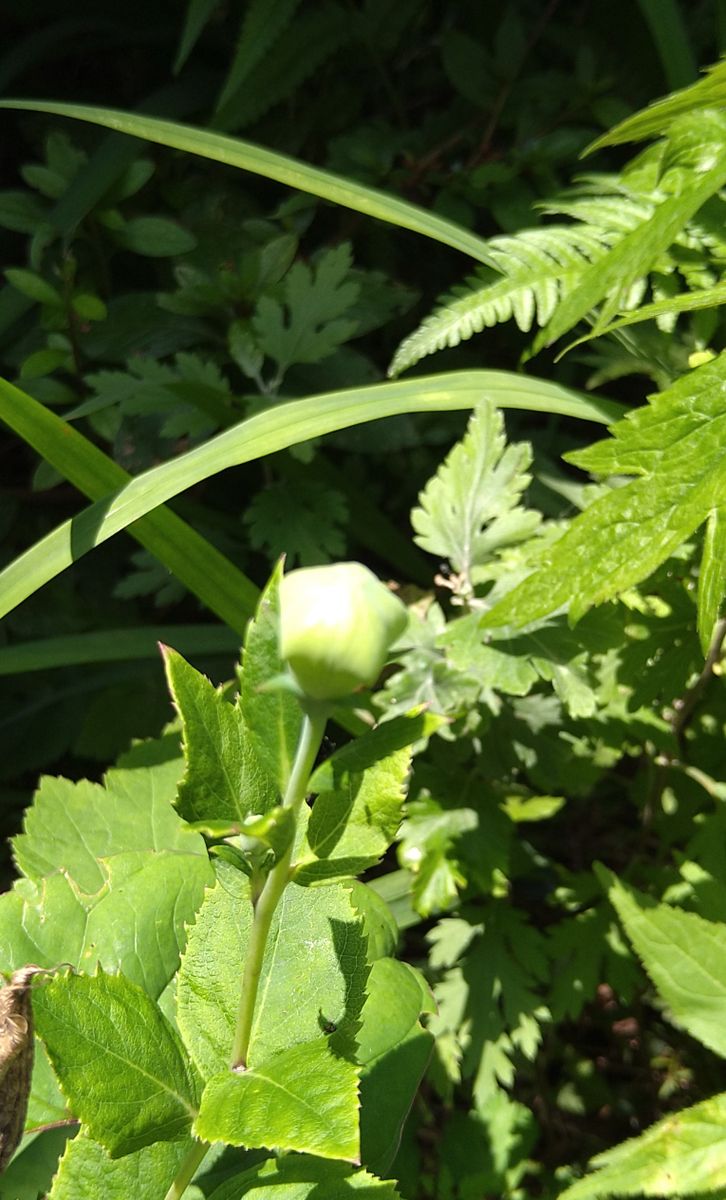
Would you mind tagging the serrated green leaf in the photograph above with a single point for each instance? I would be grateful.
(313, 973)
(710, 297)
(488, 997)
(137, 919)
(535, 269)
(374, 747)
(304, 522)
(273, 717)
(77, 824)
(303, 1099)
(675, 447)
(471, 508)
(224, 779)
(87, 1171)
(293, 1178)
(118, 1060)
(262, 24)
(681, 1155)
(310, 324)
(353, 824)
(685, 957)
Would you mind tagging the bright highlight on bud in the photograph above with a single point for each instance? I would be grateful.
(337, 624)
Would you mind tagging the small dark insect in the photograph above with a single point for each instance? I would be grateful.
(16, 1058)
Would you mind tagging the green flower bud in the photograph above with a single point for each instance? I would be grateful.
(337, 624)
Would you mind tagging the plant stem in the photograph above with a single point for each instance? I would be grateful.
(187, 1170)
(311, 735)
(683, 710)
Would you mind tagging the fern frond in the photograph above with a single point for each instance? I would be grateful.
(538, 267)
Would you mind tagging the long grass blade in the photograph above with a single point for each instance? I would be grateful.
(266, 433)
(193, 560)
(116, 645)
(289, 171)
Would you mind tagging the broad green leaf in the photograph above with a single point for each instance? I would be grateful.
(675, 447)
(224, 779)
(293, 1178)
(136, 921)
(87, 1172)
(681, 1155)
(76, 824)
(472, 508)
(303, 1099)
(357, 814)
(265, 433)
(196, 563)
(393, 1049)
(273, 717)
(288, 171)
(313, 974)
(118, 1060)
(34, 287)
(712, 577)
(685, 957)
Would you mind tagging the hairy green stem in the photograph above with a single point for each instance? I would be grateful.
(187, 1170)
(311, 735)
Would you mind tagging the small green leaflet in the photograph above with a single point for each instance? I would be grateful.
(675, 446)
